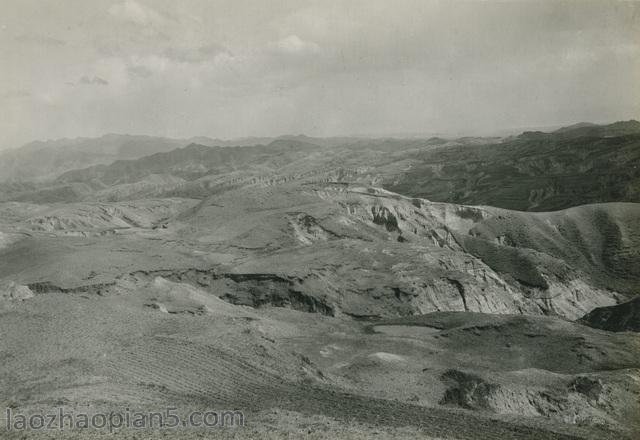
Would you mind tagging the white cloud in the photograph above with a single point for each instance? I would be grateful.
(134, 12)
(41, 40)
(186, 54)
(293, 44)
(95, 80)
(229, 68)
(139, 71)
(15, 94)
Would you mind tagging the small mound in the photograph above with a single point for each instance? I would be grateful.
(307, 230)
(387, 357)
(176, 298)
(11, 291)
(8, 239)
(574, 399)
(101, 216)
(619, 318)
(515, 342)
(467, 390)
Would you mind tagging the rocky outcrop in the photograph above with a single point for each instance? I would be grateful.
(250, 289)
(105, 216)
(336, 248)
(10, 291)
(307, 230)
(580, 399)
(618, 318)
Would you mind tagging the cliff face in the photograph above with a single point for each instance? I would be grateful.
(341, 249)
(454, 257)
(362, 251)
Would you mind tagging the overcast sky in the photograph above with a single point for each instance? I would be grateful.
(183, 68)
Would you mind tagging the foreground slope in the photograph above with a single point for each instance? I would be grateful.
(311, 307)
(156, 343)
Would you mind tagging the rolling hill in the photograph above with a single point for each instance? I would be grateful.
(46, 160)
(340, 303)
(288, 281)
(533, 171)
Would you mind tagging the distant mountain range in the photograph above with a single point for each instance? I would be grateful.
(45, 160)
(538, 171)
(190, 162)
(580, 164)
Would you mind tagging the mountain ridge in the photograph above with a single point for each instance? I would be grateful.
(534, 171)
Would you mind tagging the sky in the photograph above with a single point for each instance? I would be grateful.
(234, 68)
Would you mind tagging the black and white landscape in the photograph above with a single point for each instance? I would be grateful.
(412, 267)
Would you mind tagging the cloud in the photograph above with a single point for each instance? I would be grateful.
(136, 13)
(40, 40)
(195, 54)
(15, 94)
(139, 71)
(293, 44)
(354, 66)
(95, 80)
